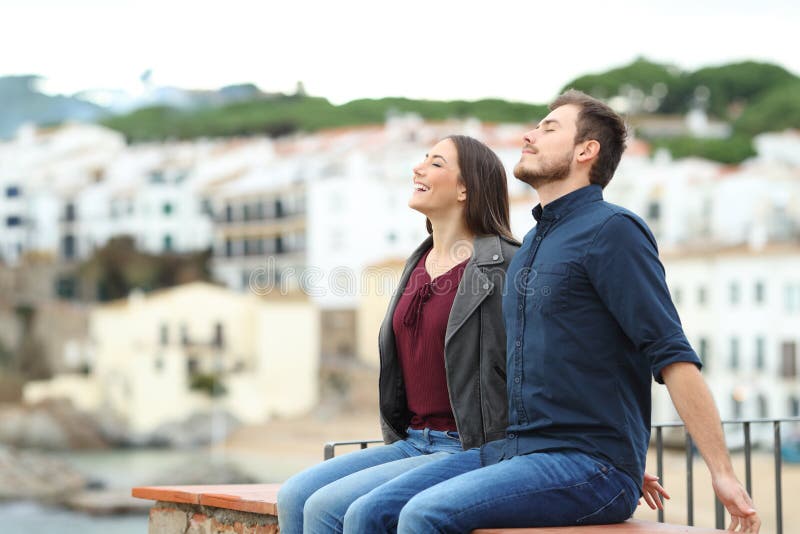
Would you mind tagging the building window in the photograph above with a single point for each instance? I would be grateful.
(68, 246)
(228, 213)
(228, 248)
(159, 364)
(12, 191)
(794, 407)
(219, 335)
(654, 211)
(703, 353)
(736, 405)
(792, 297)
(789, 359)
(206, 207)
(734, 354)
(763, 407)
(167, 208)
(185, 335)
(702, 295)
(258, 211)
(760, 292)
(246, 213)
(13, 220)
(280, 248)
(167, 243)
(734, 293)
(66, 287)
(677, 296)
(69, 212)
(760, 356)
(279, 209)
(163, 334)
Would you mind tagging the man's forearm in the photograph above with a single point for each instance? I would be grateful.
(697, 409)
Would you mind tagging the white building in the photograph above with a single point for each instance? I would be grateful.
(148, 351)
(740, 308)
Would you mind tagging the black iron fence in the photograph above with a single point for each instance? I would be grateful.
(657, 437)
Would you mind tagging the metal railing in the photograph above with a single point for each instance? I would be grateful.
(719, 509)
(657, 436)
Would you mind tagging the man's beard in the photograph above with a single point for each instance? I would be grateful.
(551, 171)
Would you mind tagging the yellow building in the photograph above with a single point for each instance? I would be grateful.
(163, 356)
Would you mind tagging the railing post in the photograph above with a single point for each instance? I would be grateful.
(660, 464)
(778, 482)
(689, 480)
(748, 471)
(328, 451)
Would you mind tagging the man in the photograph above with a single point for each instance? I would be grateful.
(589, 320)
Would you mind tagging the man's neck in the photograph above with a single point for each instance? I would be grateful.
(552, 191)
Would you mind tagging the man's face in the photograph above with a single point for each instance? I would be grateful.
(549, 149)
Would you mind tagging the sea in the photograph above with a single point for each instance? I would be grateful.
(124, 469)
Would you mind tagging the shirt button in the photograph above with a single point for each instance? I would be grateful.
(516, 380)
(485, 286)
(519, 343)
(538, 238)
(496, 257)
(512, 436)
(520, 306)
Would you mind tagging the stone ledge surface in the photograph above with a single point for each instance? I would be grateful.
(253, 498)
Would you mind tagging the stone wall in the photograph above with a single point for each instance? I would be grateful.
(174, 518)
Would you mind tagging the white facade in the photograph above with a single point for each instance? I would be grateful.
(740, 309)
(147, 349)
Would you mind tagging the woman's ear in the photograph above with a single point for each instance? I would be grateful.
(461, 189)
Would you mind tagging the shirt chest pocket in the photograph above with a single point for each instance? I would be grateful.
(548, 289)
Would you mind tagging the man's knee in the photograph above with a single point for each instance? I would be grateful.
(418, 515)
(367, 514)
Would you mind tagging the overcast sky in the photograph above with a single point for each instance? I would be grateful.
(347, 49)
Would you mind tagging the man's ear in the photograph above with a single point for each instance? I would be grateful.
(588, 150)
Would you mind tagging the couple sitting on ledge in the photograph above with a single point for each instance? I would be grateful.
(515, 379)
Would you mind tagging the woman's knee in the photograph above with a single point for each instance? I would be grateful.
(293, 494)
(324, 510)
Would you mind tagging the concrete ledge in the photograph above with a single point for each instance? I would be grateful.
(222, 509)
(252, 509)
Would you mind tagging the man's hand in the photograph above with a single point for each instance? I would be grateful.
(743, 514)
(653, 492)
(695, 405)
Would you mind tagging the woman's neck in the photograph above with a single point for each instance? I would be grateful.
(452, 242)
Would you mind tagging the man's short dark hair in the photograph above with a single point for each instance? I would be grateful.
(599, 122)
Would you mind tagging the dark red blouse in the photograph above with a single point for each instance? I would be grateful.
(420, 323)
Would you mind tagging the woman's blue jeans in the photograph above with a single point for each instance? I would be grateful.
(317, 499)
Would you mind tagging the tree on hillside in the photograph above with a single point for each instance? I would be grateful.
(734, 86)
(647, 78)
(777, 110)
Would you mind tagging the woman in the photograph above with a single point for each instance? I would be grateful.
(442, 342)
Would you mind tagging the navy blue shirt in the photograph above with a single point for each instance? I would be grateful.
(589, 320)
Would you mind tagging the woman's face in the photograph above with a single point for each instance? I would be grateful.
(437, 189)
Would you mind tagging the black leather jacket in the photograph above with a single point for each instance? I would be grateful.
(474, 351)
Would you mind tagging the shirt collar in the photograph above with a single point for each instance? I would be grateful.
(561, 206)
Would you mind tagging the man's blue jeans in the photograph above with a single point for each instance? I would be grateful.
(316, 499)
(457, 495)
